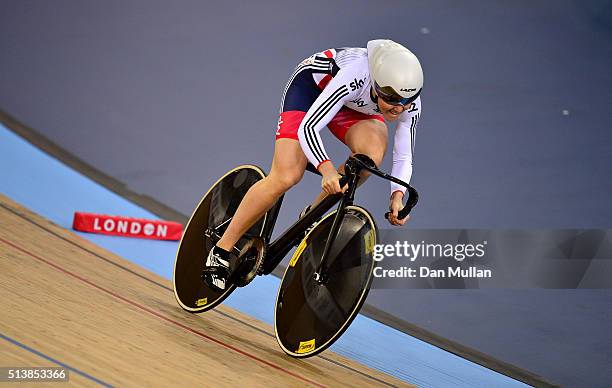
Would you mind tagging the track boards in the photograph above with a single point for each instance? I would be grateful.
(114, 321)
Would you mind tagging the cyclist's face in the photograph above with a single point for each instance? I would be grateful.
(391, 112)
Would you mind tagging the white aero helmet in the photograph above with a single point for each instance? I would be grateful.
(396, 73)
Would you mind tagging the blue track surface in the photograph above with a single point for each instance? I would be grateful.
(55, 191)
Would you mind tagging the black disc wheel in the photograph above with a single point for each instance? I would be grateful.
(310, 316)
(212, 214)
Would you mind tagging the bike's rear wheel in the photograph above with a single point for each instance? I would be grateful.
(309, 316)
(214, 210)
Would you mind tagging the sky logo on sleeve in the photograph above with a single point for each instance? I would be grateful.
(356, 84)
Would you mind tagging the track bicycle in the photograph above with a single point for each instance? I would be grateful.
(328, 277)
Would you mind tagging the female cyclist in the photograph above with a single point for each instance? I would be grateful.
(352, 91)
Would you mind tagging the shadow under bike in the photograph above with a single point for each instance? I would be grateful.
(328, 277)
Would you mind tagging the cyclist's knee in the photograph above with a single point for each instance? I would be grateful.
(376, 155)
(284, 180)
(374, 152)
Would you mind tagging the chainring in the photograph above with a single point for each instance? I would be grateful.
(250, 261)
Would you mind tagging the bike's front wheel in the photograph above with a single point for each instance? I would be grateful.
(309, 316)
(210, 218)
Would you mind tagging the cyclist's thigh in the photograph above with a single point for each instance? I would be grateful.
(301, 91)
(289, 160)
(368, 137)
(359, 131)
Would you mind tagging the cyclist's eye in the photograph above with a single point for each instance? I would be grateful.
(391, 100)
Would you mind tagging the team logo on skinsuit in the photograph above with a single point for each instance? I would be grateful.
(356, 84)
(412, 108)
(307, 61)
(278, 126)
(359, 102)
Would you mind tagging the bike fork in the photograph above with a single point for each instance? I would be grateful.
(320, 274)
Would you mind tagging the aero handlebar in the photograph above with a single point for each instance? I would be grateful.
(358, 162)
(366, 163)
(413, 198)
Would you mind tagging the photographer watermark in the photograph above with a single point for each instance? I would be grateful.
(422, 251)
(412, 251)
(477, 258)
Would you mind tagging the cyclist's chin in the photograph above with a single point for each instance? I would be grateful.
(390, 116)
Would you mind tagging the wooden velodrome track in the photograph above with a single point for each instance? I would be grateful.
(114, 323)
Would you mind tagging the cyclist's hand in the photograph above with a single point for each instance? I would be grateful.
(331, 179)
(395, 206)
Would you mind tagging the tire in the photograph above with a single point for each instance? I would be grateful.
(216, 207)
(310, 317)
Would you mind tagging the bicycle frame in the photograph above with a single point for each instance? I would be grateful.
(279, 248)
